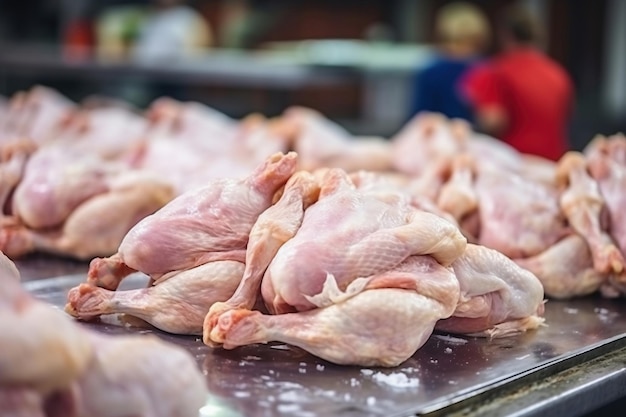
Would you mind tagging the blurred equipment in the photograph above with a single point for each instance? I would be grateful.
(169, 29)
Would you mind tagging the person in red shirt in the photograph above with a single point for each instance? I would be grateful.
(521, 95)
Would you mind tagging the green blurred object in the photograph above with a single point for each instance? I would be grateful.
(117, 29)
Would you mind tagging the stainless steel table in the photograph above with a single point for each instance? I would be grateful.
(575, 364)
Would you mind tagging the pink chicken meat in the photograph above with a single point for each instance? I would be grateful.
(208, 224)
(193, 249)
(367, 277)
(52, 367)
(324, 283)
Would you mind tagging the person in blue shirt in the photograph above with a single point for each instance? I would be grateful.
(463, 34)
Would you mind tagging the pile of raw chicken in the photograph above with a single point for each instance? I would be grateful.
(290, 229)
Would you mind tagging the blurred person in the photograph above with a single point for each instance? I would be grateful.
(463, 34)
(521, 95)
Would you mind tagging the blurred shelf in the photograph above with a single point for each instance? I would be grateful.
(218, 68)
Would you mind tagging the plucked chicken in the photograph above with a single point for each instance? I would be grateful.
(193, 249)
(362, 268)
(54, 368)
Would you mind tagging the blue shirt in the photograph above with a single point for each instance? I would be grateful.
(437, 88)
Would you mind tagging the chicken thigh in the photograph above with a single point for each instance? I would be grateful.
(498, 297)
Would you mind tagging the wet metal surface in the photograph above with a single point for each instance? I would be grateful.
(278, 379)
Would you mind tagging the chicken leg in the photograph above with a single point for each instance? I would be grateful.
(565, 269)
(379, 326)
(272, 229)
(583, 205)
(457, 196)
(177, 305)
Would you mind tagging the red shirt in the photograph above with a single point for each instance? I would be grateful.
(535, 92)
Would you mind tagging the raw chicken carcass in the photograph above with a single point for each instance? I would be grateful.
(426, 139)
(322, 143)
(36, 115)
(180, 303)
(53, 367)
(565, 269)
(107, 216)
(40, 347)
(208, 224)
(498, 297)
(585, 206)
(606, 161)
(352, 280)
(76, 165)
(108, 132)
(518, 216)
(56, 181)
(190, 156)
(427, 143)
(351, 235)
(123, 378)
(137, 376)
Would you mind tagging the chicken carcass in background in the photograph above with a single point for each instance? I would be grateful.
(96, 171)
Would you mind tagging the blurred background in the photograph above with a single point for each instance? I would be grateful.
(354, 60)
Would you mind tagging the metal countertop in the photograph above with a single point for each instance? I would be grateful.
(575, 364)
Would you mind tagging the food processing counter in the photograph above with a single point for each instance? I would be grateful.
(573, 365)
